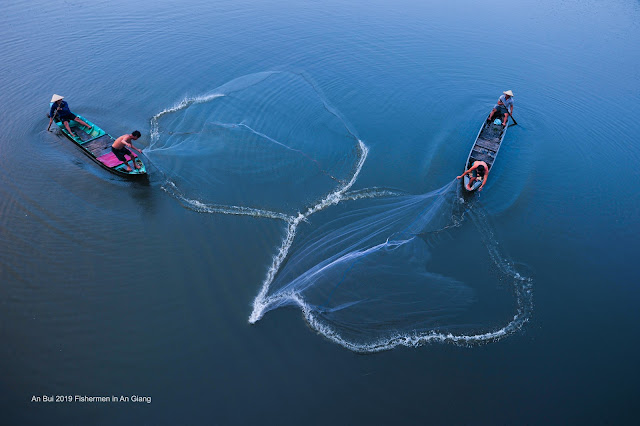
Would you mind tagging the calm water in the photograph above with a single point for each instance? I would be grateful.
(255, 112)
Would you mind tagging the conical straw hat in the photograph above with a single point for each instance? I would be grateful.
(508, 92)
(55, 98)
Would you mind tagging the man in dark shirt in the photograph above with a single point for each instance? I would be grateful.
(61, 109)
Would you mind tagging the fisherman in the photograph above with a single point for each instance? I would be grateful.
(504, 102)
(482, 171)
(60, 108)
(119, 148)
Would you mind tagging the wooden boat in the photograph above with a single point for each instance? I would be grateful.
(96, 143)
(485, 148)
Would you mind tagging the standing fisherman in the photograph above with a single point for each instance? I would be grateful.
(119, 148)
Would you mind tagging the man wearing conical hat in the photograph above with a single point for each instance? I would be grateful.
(60, 109)
(505, 101)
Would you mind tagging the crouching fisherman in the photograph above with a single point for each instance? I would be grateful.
(119, 148)
(482, 171)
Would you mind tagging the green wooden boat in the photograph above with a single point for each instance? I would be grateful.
(96, 143)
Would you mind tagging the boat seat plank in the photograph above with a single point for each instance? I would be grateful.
(481, 156)
(99, 146)
(492, 132)
(487, 144)
(82, 135)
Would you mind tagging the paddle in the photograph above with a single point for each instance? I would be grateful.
(515, 123)
(53, 118)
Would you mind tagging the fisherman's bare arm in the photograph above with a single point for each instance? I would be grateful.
(484, 181)
(467, 172)
(129, 143)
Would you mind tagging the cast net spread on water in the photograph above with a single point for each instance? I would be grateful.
(367, 268)
(268, 141)
(371, 276)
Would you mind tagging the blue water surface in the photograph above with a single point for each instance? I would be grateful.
(267, 128)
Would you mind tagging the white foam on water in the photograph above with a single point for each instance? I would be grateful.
(369, 193)
(521, 286)
(264, 302)
(224, 90)
(233, 86)
(201, 207)
(409, 340)
(185, 103)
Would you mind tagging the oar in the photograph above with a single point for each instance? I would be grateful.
(53, 118)
(515, 123)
